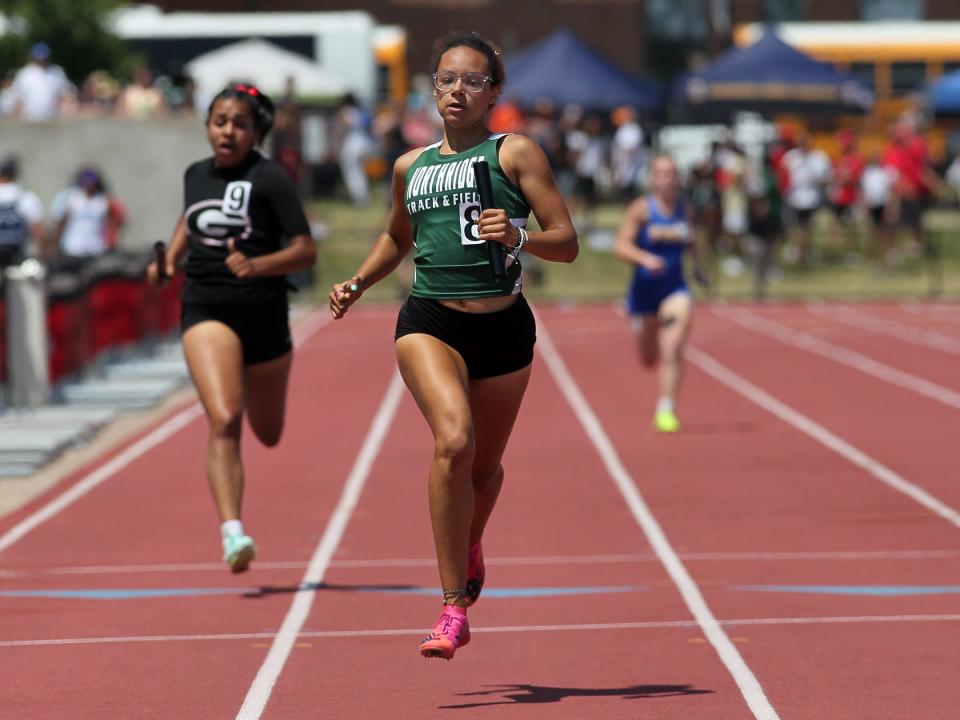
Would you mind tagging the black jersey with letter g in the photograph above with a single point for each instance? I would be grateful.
(256, 205)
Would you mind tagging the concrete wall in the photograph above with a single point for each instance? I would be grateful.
(142, 161)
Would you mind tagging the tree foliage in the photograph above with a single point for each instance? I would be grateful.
(77, 32)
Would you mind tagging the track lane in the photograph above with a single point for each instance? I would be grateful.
(807, 342)
(158, 509)
(566, 657)
(557, 500)
(896, 345)
(941, 317)
(882, 321)
(908, 432)
(737, 480)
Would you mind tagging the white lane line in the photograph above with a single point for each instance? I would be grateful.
(845, 620)
(263, 683)
(310, 326)
(750, 688)
(819, 433)
(840, 555)
(889, 328)
(930, 311)
(303, 332)
(825, 555)
(98, 476)
(855, 360)
(589, 627)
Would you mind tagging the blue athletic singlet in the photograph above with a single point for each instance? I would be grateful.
(666, 236)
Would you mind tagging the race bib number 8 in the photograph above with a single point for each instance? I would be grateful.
(469, 230)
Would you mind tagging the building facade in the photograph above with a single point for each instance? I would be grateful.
(653, 37)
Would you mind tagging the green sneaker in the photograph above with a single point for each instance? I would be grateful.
(238, 552)
(665, 421)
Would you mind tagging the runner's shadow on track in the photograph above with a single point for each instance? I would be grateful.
(522, 694)
(265, 590)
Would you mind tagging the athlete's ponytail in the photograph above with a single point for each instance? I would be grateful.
(261, 106)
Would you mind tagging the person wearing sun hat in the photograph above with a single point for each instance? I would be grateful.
(40, 86)
(80, 216)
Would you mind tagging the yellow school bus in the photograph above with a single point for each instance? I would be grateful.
(896, 59)
(390, 50)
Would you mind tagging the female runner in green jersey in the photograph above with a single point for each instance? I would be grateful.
(465, 338)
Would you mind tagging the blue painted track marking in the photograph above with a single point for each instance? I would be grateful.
(865, 590)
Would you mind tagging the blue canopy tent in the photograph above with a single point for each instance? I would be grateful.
(944, 95)
(564, 70)
(769, 77)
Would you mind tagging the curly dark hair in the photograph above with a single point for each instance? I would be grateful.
(261, 106)
(473, 40)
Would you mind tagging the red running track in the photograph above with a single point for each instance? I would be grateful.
(788, 581)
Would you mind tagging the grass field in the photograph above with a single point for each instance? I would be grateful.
(598, 275)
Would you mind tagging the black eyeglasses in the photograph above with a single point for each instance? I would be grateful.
(447, 81)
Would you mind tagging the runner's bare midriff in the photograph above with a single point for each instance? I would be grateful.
(480, 305)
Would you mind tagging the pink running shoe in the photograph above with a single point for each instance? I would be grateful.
(451, 631)
(475, 573)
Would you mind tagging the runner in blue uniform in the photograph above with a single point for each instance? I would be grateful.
(655, 233)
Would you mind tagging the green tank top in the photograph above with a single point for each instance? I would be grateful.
(442, 201)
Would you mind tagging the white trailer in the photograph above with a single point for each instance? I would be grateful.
(340, 44)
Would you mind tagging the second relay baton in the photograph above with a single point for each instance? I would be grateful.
(481, 170)
(160, 255)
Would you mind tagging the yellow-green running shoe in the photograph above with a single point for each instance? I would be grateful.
(665, 421)
(238, 552)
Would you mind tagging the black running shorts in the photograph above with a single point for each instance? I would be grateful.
(490, 344)
(263, 328)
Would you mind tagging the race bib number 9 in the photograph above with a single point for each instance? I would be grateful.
(469, 230)
(236, 198)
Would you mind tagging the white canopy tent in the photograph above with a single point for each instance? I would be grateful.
(264, 64)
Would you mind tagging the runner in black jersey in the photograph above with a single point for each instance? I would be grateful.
(465, 338)
(243, 230)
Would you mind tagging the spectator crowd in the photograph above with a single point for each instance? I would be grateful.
(790, 199)
(40, 91)
(84, 221)
(854, 201)
(748, 202)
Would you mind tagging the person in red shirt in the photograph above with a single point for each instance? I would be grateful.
(507, 117)
(844, 192)
(785, 142)
(907, 158)
(906, 155)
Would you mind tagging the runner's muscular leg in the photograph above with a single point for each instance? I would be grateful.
(676, 313)
(437, 378)
(215, 360)
(495, 403)
(266, 392)
(647, 328)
